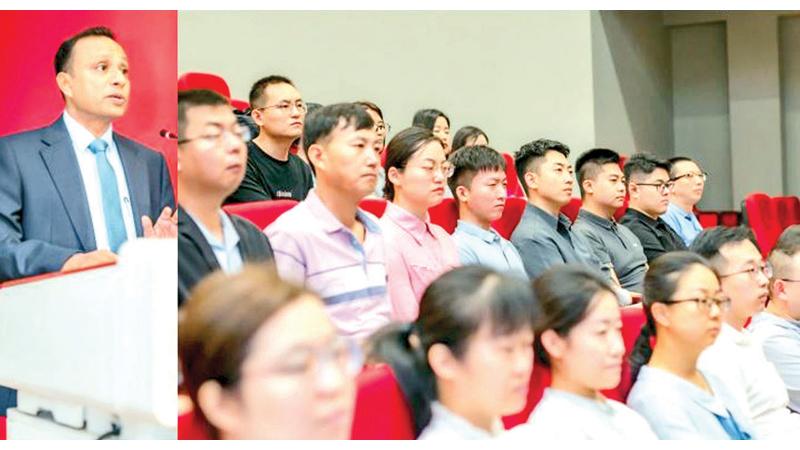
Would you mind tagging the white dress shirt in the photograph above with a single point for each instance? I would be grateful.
(81, 138)
(737, 359)
(447, 425)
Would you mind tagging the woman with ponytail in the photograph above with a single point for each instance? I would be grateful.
(683, 304)
(579, 337)
(467, 359)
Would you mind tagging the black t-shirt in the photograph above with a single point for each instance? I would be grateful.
(656, 236)
(267, 178)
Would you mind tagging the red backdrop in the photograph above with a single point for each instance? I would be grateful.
(29, 96)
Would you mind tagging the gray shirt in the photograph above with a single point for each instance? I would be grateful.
(679, 409)
(544, 241)
(780, 339)
(614, 242)
(487, 248)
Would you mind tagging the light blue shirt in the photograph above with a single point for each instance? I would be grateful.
(487, 248)
(81, 138)
(227, 251)
(780, 339)
(685, 224)
(678, 409)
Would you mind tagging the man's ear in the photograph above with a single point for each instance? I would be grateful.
(588, 186)
(462, 194)
(633, 190)
(531, 180)
(64, 82)
(316, 156)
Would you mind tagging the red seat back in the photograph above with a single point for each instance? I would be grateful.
(513, 186)
(788, 210)
(261, 213)
(241, 105)
(199, 80)
(540, 379)
(381, 410)
(571, 209)
(190, 428)
(375, 206)
(512, 214)
(707, 219)
(2, 428)
(445, 214)
(762, 217)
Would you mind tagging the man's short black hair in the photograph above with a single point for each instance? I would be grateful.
(257, 90)
(644, 164)
(672, 162)
(193, 98)
(64, 51)
(323, 121)
(531, 153)
(590, 162)
(468, 161)
(709, 242)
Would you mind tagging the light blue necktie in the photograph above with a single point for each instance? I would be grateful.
(112, 209)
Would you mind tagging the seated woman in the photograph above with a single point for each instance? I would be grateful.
(684, 305)
(579, 337)
(261, 360)
(435, 121)
(417, 251)
(468, 136)
(467, 360)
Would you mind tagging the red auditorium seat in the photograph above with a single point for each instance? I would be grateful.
(512, 214)
(571, 209)
(445, 214)
(375, 206)
(540, 379)
(762, 217)
(199, 80)
(261, 213)
(240, 105)
(2, 428)
(788, 209)
(707, 219)
(381, 410)
(190, 428)
(514, 188)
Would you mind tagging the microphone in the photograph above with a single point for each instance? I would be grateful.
(165, 133)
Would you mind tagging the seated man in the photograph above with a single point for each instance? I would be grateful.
(479, 186)
(778, 328)
(211, 163)
(544, 237)
(649, 186)
(326, 241)
(736, 357)
(72, 192)
(602, 186)
(689, 181)
(273, 172)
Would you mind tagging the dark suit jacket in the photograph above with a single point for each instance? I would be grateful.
(196, 259)
(44, 214)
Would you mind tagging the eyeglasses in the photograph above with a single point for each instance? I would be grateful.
(212, 139)
(789, 280)
(286, 107)
(692, 175)
(382, 127)
(342, 354)
(660, 187)
(705, 303)
(766, 269)
(446, 169)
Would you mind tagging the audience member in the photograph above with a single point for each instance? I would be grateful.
(689, 181)
(382, 128)
(469, 136)
(437, 122)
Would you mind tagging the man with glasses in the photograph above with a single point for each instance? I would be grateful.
(687, 190)
(544, 237)
(736, 357)
(211, 164)
(649, 186)
(273, 172)
(778, 328)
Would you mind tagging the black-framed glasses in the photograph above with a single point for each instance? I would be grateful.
(752, 271)
(705, 303)
(660, 187)
(692, 175)
(286, 107)
(216, 138)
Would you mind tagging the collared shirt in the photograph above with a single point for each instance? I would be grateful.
(738, 360)
(447, 425)
(487, 248)
(678, 409)
(312, 246)
(655, 235)
(616, 243)
(563, 415)
(684, 224)
(81, 138)
(780, 340)
(544, 241)
(226, 251)
(417, 252)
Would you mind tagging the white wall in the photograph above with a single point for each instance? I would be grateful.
(789, 32)
(517, 75)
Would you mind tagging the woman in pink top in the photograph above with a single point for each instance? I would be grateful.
(417, 251)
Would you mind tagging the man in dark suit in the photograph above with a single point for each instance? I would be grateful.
(212, 157)
(72, 192)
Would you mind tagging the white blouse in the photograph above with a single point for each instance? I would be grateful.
(445, 424)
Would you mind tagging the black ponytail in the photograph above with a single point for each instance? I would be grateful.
(642, 351)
